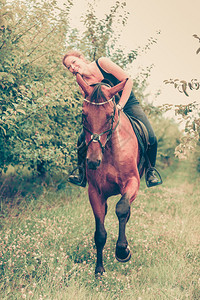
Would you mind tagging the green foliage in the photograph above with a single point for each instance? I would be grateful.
(38, 109)
(182, 85)
(190, 115)
(167, 133)
(188, 146)
(169, 137)
(99, 37)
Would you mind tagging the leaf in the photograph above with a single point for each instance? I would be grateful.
(3, 130)
(190, 86)
(21, 111)
(198, 50)
(3, 22)
(184, 90)
(196, 36)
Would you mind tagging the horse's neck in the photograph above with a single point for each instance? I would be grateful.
(124, 134)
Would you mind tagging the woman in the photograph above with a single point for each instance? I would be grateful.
(97, 71)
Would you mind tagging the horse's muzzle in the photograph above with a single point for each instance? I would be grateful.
(93, 165)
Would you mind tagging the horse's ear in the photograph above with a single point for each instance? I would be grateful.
(85, 87)
(116, 88)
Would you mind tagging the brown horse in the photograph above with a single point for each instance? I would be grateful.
(111, 162)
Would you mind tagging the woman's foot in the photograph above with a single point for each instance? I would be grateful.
(78, 180)
(153, 178)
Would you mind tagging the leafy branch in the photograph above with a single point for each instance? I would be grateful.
(190, 115)
(196, 36)
(182, 85)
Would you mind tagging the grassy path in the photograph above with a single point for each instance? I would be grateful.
(47, 249)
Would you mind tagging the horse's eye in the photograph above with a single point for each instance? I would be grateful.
(108, 118)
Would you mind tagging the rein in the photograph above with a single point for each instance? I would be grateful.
(95, 137)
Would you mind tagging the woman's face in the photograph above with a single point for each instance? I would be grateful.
(75, 64)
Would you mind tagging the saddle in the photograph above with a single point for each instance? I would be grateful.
(143, 141)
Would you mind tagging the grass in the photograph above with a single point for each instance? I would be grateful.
(47, 248)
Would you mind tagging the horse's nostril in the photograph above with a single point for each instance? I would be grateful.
(93, 165)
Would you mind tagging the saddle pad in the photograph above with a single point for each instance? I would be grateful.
(143, 141)
(141, 133)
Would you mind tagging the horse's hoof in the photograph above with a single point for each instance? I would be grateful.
(99, 271)
(123, 254)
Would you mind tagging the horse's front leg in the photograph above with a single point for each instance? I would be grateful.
(99, 207)
(122, 253)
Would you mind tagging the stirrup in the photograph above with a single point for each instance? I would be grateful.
(150, 169)
(83, 181)
(72, 172)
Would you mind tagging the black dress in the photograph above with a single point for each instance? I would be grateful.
(132, 106)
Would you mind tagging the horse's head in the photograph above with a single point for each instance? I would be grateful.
(100, 118)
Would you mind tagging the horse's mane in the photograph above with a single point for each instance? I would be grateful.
(97, 95)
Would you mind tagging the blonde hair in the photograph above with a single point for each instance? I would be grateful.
(75, 53)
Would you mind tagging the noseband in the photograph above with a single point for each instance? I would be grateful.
(95, 137)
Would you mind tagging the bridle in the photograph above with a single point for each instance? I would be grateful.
(95, 137)
(102, 103)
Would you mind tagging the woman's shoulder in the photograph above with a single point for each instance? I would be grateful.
(104, 61)
(107, 64)
(110, 67)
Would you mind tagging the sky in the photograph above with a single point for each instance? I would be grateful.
(174, 54)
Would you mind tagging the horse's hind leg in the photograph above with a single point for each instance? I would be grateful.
(99, 207)
(122, 253)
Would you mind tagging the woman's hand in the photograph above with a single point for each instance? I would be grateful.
(110, 67)
(119, 107)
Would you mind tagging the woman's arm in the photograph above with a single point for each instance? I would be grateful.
(110, 67)
(82, 92)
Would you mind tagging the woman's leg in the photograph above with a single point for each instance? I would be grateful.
(137, 112)
(82, 150)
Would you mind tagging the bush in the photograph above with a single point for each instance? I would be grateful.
(38, 109)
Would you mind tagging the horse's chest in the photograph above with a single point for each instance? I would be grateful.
(106, 178)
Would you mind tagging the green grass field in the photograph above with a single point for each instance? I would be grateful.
(47, 248)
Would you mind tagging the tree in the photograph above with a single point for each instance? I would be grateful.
(190, 115)
(34, 89)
